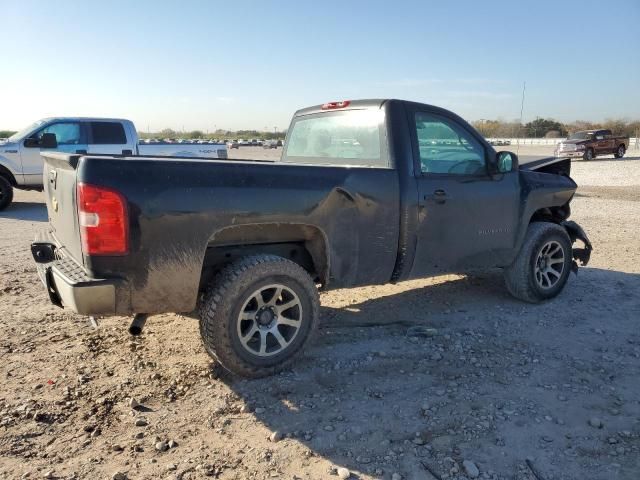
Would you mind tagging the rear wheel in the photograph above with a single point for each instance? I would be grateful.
(619, 152)
(6, 193)
(258, 314)
(541, 269)
(589, 155)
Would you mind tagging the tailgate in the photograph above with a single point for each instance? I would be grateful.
(59, 179)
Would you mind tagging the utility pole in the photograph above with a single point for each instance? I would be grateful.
(524, 88)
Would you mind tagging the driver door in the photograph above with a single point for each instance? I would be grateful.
(71, 138)
(466, 217)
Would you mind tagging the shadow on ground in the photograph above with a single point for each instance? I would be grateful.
(372, 398)
(30, 211)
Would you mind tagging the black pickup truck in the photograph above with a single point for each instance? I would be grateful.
(366, 192)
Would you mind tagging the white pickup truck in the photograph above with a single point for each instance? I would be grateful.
(21, 164)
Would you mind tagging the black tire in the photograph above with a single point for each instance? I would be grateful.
(620, 152)
(229, 297)
(6, 193)
(589, 154)
(523, 277)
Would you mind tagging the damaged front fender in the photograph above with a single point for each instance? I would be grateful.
(582, 255)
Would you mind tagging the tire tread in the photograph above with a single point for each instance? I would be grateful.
(213, 329)
(519, 276)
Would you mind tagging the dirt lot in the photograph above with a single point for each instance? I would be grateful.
(508, 386)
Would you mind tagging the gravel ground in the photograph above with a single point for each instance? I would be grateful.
(493, 389)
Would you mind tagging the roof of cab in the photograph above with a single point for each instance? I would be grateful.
(353, 105)
(85, 119)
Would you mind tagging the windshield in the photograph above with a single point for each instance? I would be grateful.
(351, 137)
(581, 136)
(18, 135)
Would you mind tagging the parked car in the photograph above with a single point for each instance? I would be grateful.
(269, 144)
(233, 144)
(590, 144)
(245, 242)
(21, 163)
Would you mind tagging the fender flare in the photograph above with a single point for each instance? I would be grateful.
(576, 232)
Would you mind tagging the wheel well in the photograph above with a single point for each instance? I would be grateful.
(551, 214)
(303, 244)
(4, 172)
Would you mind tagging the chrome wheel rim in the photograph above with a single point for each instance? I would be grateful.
(589, 154)
(270, 320)
(620, 151)
(549, 265)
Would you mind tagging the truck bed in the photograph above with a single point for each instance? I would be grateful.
(185, 204)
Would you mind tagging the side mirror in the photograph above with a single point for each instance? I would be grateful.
(31, 142)
(48, 140)
(506, 162)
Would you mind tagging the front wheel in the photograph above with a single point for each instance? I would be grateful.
(619, 152)
(258, 314)
(541, 269)
(6, 193)
(589, 155)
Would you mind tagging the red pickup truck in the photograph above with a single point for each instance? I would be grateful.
(592, 143)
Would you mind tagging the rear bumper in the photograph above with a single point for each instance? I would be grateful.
(69, 285)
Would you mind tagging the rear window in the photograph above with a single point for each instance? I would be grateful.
(352, 137)
(107, 133)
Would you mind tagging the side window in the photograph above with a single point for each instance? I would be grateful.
(445, 147)
(67, 133)
(107, 133)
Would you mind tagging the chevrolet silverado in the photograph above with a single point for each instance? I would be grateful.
(365, 192)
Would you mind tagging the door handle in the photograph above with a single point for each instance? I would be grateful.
(81, 151)
(438, 196)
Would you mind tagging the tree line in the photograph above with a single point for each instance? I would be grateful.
(199, 134)
(550, 128)
(218, 134)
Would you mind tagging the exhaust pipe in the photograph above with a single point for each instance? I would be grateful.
(138, 323)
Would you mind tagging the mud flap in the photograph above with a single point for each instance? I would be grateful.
(582, 255)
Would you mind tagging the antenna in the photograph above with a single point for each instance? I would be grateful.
(524, 88)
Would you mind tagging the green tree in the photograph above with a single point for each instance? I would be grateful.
(167, 133)
(540, 127)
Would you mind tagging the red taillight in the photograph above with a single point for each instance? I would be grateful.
(334, 105)
(102, 214)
